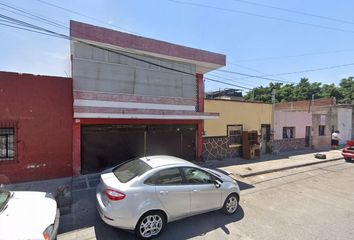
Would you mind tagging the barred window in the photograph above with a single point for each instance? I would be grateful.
(235, 133)
(7, 144)
(288, 132)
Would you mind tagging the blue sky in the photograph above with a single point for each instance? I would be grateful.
(253, 41)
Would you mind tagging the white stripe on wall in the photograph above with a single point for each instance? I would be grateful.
(112, 104)
(142, 116)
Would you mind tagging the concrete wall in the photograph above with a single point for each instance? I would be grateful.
(344, 123)
(95, 69)
(40, 109)
(324, 116)
(250, 115)
(299, 120)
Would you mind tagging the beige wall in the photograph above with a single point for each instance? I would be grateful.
(250, 115)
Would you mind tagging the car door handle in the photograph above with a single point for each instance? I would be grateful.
(163, 192)
(195, 190)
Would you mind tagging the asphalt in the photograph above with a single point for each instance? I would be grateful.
(239, 167)
(74, 207)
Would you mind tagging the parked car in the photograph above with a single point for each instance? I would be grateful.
(28, 215)
(348, 152)
(145, 193)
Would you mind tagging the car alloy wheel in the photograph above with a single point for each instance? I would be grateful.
(150, 225)
(231, 204)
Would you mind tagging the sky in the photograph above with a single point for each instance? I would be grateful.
(258, 37)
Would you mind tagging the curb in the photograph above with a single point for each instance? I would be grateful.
(286, 168)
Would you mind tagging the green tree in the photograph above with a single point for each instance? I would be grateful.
(347, 90)
(304, 90)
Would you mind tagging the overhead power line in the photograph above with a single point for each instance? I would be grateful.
(25, 13)
(18, 24)
(262, 16)
(230, 84)
(288, 73)
(86, 16)
(295, 11)
(253, 76)
(295, 56)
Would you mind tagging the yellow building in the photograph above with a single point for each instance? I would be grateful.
(223, 137)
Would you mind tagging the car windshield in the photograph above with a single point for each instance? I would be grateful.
(131, 169)
(4, 198)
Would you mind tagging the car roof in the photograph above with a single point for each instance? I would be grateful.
(164, 160)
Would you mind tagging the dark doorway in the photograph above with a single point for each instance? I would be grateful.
(307, 136)
(265, 138)
(104, 146)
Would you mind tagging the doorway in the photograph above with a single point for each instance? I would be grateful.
(265, 138)
(308, 136)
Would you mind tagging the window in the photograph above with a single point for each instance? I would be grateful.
(130, 169)
(170, 176)
(7, 143)
(235, 134)
(321, 130)
(197, 176)
(288, 132)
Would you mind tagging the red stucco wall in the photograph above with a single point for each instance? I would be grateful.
(41, 108)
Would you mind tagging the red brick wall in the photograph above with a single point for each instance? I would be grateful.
(305, 104)
(41, 109)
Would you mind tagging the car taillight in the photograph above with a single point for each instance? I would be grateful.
(114, 195)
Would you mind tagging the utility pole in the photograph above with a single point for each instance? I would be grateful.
(273, 120)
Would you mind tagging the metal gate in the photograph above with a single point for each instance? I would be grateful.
(104, 146)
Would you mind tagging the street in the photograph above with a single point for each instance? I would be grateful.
(313, 202)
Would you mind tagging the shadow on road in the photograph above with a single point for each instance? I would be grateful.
(199, 225)
(84, 223)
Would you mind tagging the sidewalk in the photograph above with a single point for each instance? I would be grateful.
(272, 163)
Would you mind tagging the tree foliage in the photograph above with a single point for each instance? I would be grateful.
(344, 93)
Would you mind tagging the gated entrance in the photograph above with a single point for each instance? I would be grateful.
(104, 146)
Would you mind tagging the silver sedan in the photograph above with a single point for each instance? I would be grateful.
(145, 193)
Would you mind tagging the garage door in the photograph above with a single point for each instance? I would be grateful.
(104, 146)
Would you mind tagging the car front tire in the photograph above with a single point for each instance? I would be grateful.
(348, 159)
(150, 225)
(231, 204)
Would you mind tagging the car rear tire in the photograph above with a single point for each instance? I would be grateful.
(348, 159)
(231, 204)
(150, 225)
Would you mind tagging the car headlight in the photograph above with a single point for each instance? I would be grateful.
(48, 232)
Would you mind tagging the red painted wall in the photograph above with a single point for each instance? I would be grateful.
(41, 107)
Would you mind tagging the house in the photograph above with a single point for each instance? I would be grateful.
(222, 137)
(35, 127)
(310, 124)
(129, 96)
(135, 96)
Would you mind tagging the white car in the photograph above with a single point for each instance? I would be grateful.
(145, 193)
(28, 215)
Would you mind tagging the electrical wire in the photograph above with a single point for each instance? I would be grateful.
(295, 56)
(230, 84)
(26, 13)
(262, 16)
(18, 24)
(84, 15)
(254, 76)
(286, 73)
(294, 11)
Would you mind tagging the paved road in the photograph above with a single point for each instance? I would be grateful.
(315, 202)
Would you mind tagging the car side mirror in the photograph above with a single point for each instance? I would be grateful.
(217, 183)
